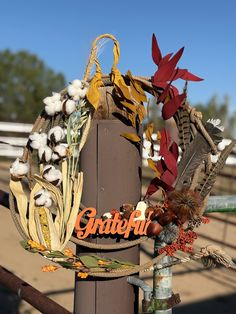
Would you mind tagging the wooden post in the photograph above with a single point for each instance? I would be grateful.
(112, 176)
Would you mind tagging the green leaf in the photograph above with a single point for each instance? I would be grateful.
(55, 254)
(66, 264)
(89, 261)
(112, 266)
(27, 247)
(122, 262)
(24, 244)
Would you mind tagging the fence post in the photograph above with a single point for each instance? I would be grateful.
(162, 279)
(112, 177)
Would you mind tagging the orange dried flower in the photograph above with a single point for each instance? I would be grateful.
(102, 262)
(82, 275)
(68, 252)
(35, 245)
(78, 264)
(49, 268)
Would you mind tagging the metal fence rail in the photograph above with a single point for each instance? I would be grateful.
(26, 292)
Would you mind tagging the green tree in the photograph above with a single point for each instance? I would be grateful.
(24, 81)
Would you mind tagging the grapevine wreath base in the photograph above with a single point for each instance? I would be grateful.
(46, 183)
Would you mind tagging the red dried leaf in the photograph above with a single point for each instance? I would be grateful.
(156, 52)
(174, 150)
(168, 178)
(184, 74)
(165, 142)
(165, 72)
(170, 108)
(165, 59)
(168, 156)
(156, 184)
(160, 165)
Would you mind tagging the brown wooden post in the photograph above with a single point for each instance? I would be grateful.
(112, 176)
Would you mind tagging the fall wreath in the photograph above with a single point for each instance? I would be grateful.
(46, 183)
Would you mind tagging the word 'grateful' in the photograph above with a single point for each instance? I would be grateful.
(113, 225)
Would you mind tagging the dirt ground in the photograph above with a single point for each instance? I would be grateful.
(201, 290)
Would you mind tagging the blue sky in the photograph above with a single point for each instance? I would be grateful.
(60, 32)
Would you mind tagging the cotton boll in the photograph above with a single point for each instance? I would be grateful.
(69, 106)
(53, 104)
(58, 106)
(56, 96)
(71, 90)
(43, 198)
(61, 150)
(55, 157)
(77, 83)
(37, 140)
(45, 153)
(50, 110)
(47, 101)
(56, 134)
(82, 92)
(47, 168)
(52, 175)
(77, 89)
(19, 168)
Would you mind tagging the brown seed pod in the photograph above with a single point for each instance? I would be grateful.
(166, 218)
(127, 213)
(154, 229)
(186, 204)
(157, 212)
(148, 210)
(127, 206)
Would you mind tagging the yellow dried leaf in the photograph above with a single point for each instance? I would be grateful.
(132, 119)
(141, 111)
(151, 164)
(119, 83)
(77, 192)
(93, 94)
(22, 203)
(132, 137)
(32, 223)
(149, 131)
(54, 236)
(136, 89)
(130, 106)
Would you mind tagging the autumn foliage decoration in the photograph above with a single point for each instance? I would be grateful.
(163, 79)
(50, 211)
